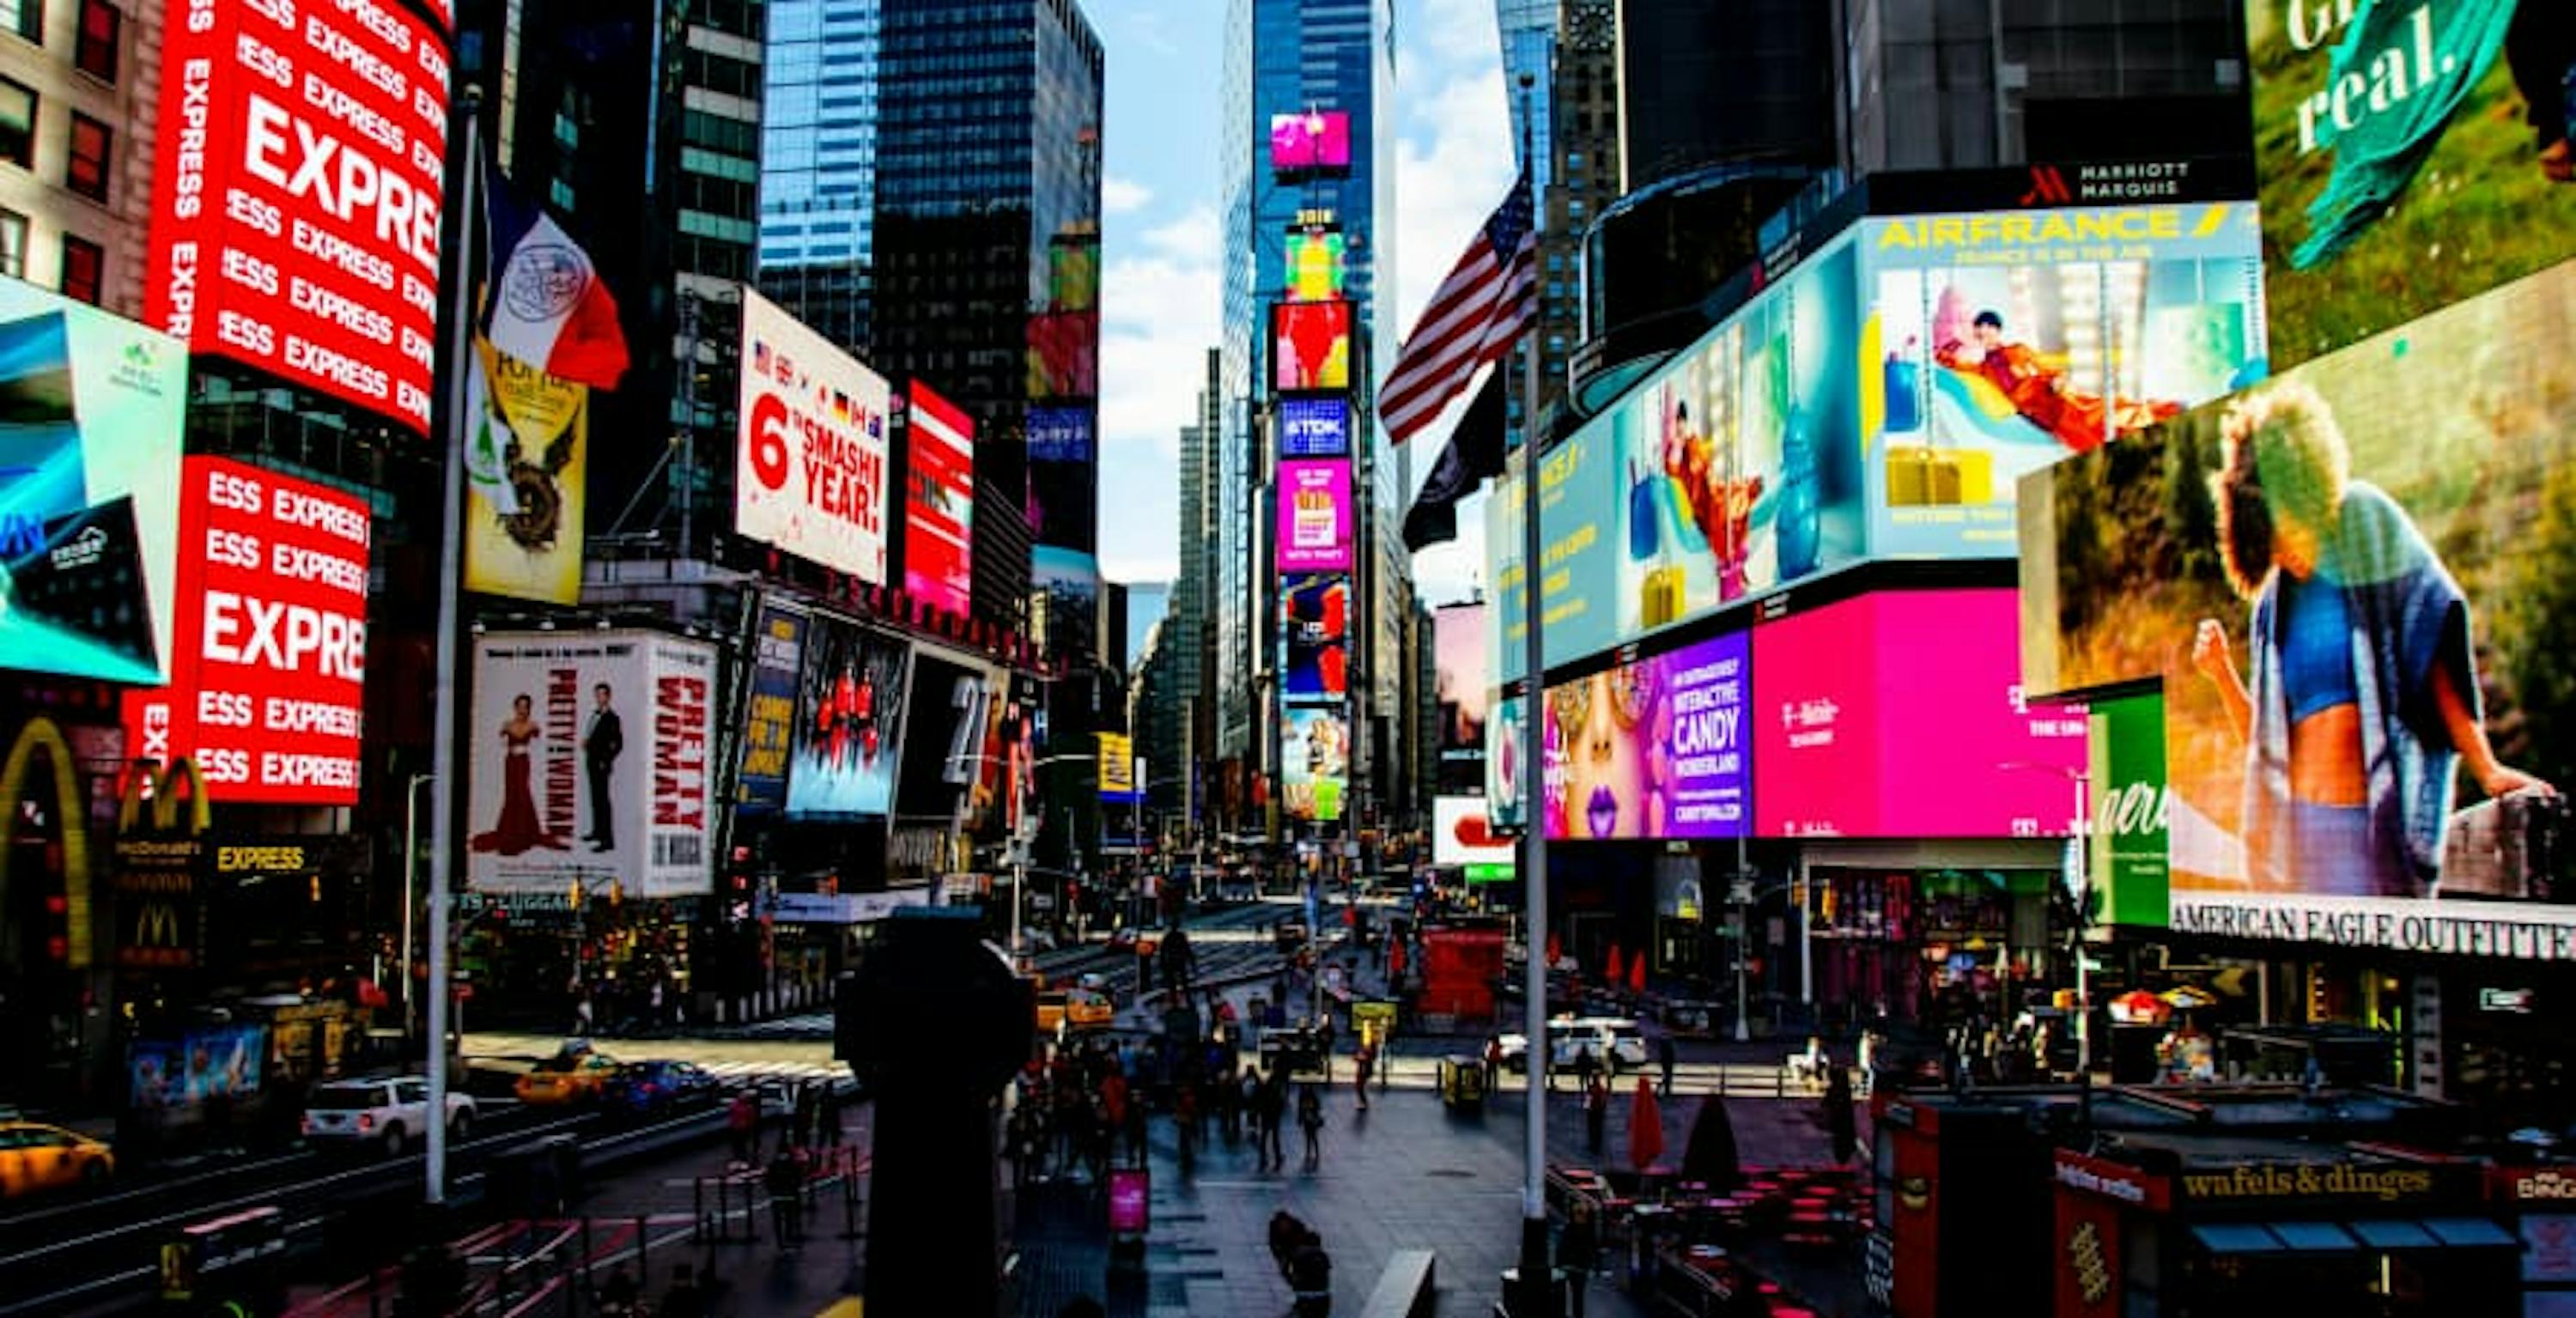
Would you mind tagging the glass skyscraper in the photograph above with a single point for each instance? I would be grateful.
(1284, 56)
(818, 145)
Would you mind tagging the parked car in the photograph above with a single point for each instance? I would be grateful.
(387, 1113)
(658, 1088)
(35, 1157)
(573, 1076)
(1617, 1044)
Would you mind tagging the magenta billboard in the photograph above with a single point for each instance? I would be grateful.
(1900, 714)
(1654, 748)
(1314, 516)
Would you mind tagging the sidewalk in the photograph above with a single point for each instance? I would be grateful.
(1404, 1175)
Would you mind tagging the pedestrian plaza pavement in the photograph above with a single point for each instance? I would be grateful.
(1406, 1174)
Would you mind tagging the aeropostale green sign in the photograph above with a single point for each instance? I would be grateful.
(2130, 808)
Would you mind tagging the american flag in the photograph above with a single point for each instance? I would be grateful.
(1489, 297)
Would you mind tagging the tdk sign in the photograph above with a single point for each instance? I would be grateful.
(1314, 428)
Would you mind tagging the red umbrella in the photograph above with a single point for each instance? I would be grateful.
(1615, 971)
(1645, 1127)
(1637, 974)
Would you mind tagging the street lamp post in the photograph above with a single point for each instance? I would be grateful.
(411, 875)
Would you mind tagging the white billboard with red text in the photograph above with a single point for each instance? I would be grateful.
(295, 221)
(810, 475)
(268, 680)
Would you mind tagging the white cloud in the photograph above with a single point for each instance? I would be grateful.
(1159, 315)
(1121, 196)
(1452, 167)
(1445, 36)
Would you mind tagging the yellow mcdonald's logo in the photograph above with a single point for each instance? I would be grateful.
(40, 734)
(157, 925)
(161, 796)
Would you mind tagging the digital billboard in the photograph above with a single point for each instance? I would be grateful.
(2130, 804)
(1310, 346)
(1315, 612)
(1461, 835)
(2405, 156)
(850, 701)
(1063, 505)
(1073, 272)
(945, 736)
(1070, 581)
(295, 218)
(1064, 355)
(2352, 585)
(1313, 259)
(1314, 428)
(1654, 748)
(1505, 791)
(1997, 343)
(1737, 468)
(1460, 679)
(1901, 714)
(769, 721)
(91, 409)
(1116, 768)
(810, 472)
(267, 689)
(939, 503)
(1310, 141)
(592, 763)
(1314, 516)
(1059, 434)
(1315, 762)
(527, 460)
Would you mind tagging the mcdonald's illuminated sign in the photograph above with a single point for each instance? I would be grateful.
(159, 857)
(41, 735)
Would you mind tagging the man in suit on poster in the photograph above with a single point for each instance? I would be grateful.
(600, 744)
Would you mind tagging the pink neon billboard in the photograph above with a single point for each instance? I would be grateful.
(1900, 714)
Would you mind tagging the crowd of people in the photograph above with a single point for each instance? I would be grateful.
(1077, 1108)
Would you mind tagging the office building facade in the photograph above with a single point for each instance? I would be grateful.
(818, 141)
(1288, 57)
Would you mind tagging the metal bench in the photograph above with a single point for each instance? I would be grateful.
(1404, 1290)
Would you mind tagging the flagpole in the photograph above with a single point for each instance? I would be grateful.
(1538, 1297)
(442, 808)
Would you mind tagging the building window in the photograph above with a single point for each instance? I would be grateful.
(25, 17)
(17, 124)
(95, 53)
(13, 244)
(86, 171)
(84, 269)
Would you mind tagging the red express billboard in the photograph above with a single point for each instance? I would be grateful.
(939, 503)
(268, 682)
(295, 222)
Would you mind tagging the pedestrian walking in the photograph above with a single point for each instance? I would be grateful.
(582, 1012)
(1363, 1062)
(742, 1121)
(1665, 1056)
(1493, 1060)
(1596, 1113)
(785, 1181)
(801, 1116)
(1579, 1249)
(1840, 1120)
(1584, 1068)
(1229, 1103)
(1310, 1121)
(827, 1110)
(1268, 1106)
(1185, 1120)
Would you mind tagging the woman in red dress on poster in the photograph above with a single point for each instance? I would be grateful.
(518, 830)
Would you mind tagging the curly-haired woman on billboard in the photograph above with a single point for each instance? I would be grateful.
(2364, 698)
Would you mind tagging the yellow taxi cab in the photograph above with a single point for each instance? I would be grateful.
(566, 1078)
(35, 1156)
(1060, 1010)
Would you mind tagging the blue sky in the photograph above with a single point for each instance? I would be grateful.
(1160, 296)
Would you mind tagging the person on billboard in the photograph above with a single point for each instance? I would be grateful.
(2364, 696)
(2540, 48)
(2037, 383)
(1605, 780)
(601, 743)
(518, 830)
